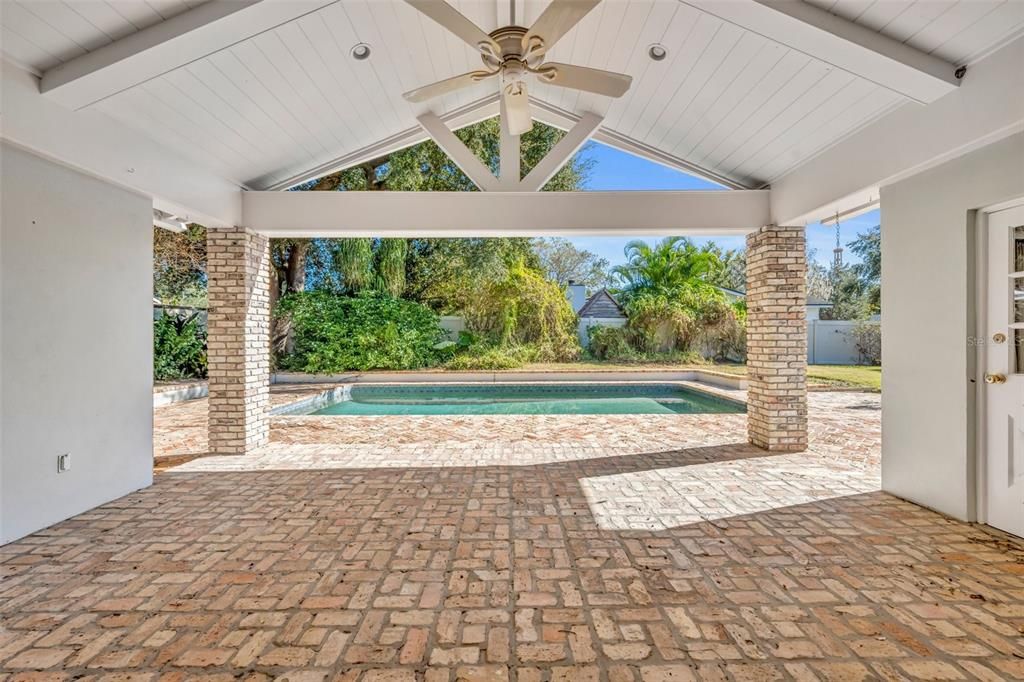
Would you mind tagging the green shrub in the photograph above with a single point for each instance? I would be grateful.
(867, 337)
(526, 310)
(179, 348)
(489, 357)
(612, 343)
(693, 319)
(335, 334)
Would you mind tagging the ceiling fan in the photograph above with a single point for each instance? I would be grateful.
(514, 52)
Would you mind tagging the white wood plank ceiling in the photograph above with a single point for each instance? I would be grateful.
(292, 98)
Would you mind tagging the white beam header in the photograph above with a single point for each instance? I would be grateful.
(503, 214)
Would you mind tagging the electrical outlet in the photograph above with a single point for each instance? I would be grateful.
(63, 463)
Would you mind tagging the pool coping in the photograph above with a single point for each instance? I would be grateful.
(722, 380)
(301, 408)
(176, 395)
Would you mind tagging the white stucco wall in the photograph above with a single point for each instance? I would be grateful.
(928, 396)
(75, 342)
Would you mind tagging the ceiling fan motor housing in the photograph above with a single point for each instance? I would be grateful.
(510, 40)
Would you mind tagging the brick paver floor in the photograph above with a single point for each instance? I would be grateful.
(530, 550)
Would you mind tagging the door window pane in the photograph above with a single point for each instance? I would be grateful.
(1017, 295)
(1018, 249)
(1018, 351)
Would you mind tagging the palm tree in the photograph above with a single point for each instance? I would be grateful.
(671, 266)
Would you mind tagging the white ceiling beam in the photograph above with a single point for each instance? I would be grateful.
(561, 153)
(988, 107)
(94, 143)
(846, 45)
(466, 160)
(510, 151)
(168, 45)
(503, 214)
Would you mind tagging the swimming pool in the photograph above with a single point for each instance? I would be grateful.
(540, 398)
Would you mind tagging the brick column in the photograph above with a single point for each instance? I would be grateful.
(238, 281)
(777, 339)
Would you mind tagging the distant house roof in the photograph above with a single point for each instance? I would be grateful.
(603, 305)
(812, 301)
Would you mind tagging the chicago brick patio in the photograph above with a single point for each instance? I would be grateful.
(671, 555)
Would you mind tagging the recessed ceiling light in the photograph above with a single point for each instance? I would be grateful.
(361, 51)
(657, 52)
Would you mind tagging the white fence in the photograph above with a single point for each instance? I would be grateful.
(831, 342)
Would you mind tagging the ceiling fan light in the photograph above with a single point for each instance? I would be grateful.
(657, 52)
(360, 51)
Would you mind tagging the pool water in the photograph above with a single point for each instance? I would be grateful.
(527, 399)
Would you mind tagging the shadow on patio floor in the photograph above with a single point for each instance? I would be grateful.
(551, 571)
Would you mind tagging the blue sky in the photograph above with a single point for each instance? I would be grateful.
(615, 169)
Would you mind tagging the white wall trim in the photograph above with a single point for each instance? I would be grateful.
(503, 214)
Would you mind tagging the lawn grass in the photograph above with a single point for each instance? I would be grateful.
(838, 376)
(859, 376)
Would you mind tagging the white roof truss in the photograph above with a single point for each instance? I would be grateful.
(488, 107)
(465, 159)
(509, 151)
(560, 153)
(842, 43)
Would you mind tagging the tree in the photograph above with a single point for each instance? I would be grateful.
(399, 266)
(179, 266)
(857, 289)
(848, 300)
(564, 263)
(446, 274)
(868, 245)
(730, 270)
(819, 283)
(289, 256)
(667, 268)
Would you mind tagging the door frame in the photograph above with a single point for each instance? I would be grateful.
(977, 361)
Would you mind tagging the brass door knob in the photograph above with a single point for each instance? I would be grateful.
(995, 378)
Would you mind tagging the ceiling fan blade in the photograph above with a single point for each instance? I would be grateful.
(517, 107)
(447, 85)
(559, 17)
(450, 18)
(601, 82)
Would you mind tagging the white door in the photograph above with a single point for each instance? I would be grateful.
(1003, 466)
